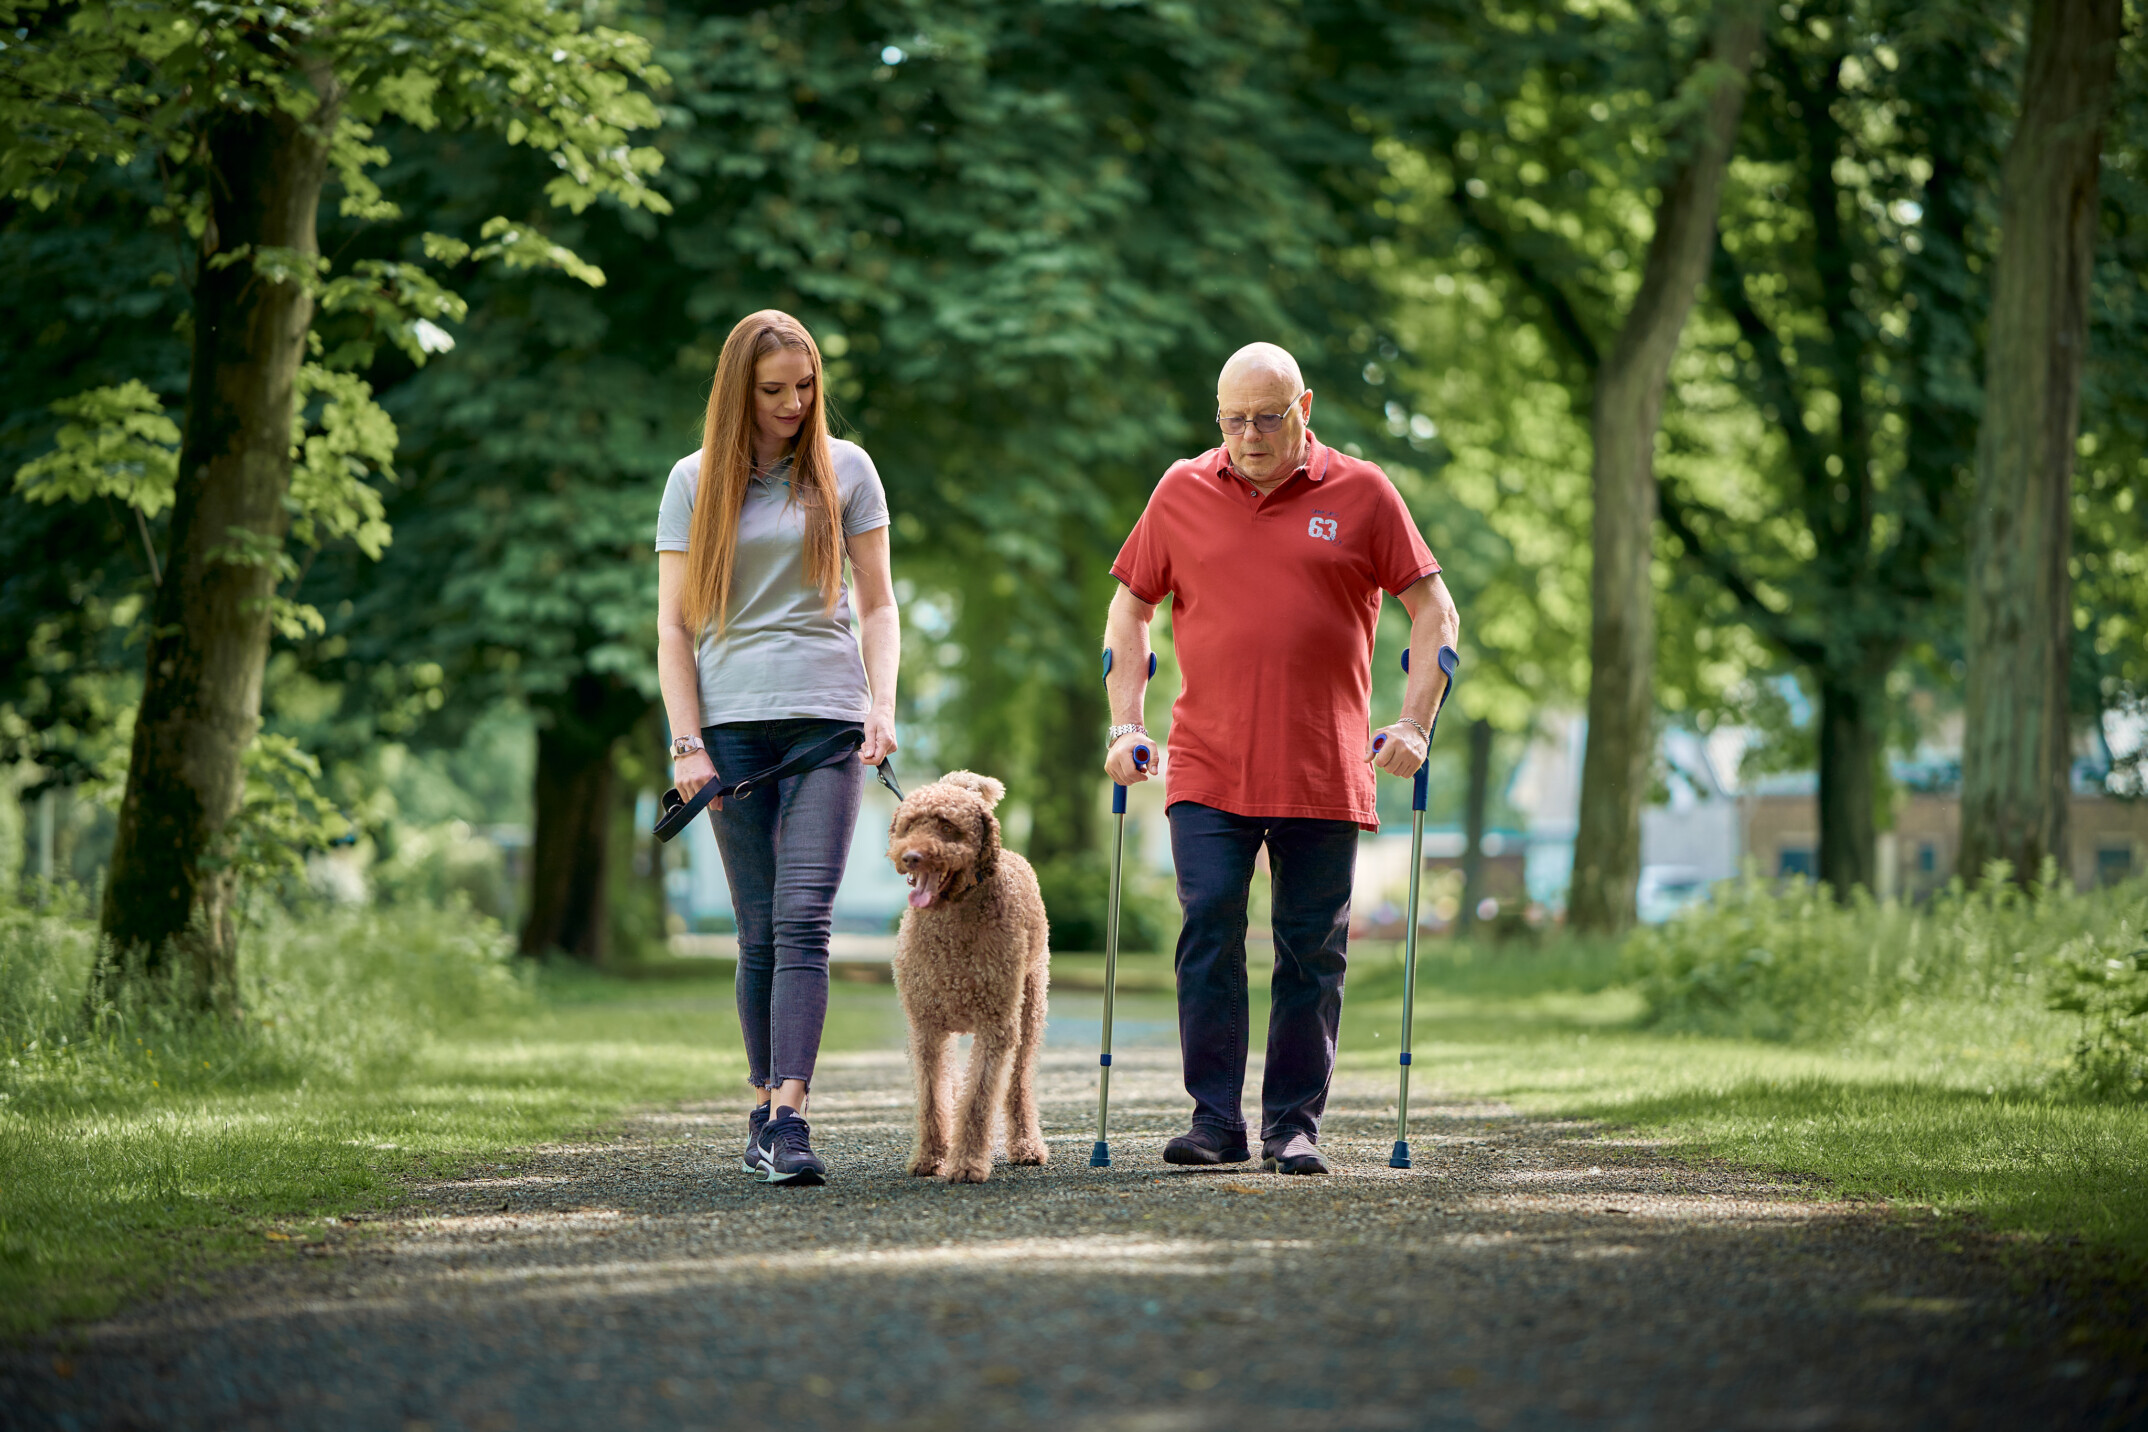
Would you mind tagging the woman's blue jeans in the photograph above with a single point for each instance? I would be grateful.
(784, 847)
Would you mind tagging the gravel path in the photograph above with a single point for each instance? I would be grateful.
(1528, 1274)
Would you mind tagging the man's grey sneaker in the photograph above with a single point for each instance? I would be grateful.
(755, 1122)
(1293, 1153)
(785, 1152)
(1207, 1144)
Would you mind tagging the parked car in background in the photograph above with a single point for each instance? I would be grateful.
(1667, 889)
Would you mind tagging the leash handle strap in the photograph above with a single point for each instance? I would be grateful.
(679, 812)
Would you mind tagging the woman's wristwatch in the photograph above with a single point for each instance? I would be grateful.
(684, 746)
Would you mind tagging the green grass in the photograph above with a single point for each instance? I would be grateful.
(136, 1155)
(1953, 1106)
(135, 1188)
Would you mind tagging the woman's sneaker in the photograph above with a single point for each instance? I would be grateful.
(755, 1122)
(785, 1154)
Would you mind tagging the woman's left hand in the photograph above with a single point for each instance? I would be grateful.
(879, 739)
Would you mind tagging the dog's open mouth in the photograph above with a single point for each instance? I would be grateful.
(925, 891)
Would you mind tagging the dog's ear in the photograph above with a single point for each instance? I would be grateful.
(988, 789)
(988, 849)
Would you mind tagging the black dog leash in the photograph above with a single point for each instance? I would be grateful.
(678, 812)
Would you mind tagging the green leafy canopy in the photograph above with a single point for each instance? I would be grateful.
(105, 83)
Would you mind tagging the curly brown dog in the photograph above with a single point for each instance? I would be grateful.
(971, 958)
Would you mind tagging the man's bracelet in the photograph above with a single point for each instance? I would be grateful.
(1127, 730)
(1406, 721)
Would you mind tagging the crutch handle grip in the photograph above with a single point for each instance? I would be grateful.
(1423, 782)
(1118, 792)
(1421, 791)
(1421, 788)
(1141, 753)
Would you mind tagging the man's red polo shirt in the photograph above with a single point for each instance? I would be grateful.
(1274, 603)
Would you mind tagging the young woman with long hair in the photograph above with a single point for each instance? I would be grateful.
(760, 668)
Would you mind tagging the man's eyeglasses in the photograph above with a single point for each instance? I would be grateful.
(1235, 424)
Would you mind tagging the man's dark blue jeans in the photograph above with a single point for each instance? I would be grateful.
(1311, 863)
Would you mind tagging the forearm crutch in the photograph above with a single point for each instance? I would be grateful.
(1100, 1156)
(1448, 660)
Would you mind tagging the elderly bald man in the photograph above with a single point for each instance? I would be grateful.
(1274, 549)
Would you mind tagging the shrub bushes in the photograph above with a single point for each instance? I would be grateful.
(1791, 963)
(433, 864)
(2107, 985)
(325, 996)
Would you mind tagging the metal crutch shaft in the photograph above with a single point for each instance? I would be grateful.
(1420, 790)
(1400, 1158)
(1100, 1155)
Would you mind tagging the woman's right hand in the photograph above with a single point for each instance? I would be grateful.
(691, 772)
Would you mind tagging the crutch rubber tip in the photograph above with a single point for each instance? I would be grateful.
(1100, 1156)
(1400, 1158)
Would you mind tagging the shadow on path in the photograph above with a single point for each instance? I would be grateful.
(1528, 1274)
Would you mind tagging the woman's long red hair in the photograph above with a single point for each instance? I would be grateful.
(727, 470)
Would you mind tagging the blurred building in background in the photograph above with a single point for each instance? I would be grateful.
(1707, 825)
(1710, 821)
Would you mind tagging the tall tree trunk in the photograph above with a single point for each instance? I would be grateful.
(1474, 800)
(570, 847)
(168, 897)
(1623, 420)
(656, 731)
(2015, 752)
(1850, 729)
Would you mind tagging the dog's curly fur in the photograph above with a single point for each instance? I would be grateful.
(971, 958)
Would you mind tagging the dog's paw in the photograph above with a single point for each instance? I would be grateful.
(925, 1166)
(1028, 1154)
(975, 1171)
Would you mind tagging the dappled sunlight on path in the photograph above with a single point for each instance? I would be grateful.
(1527, 1274)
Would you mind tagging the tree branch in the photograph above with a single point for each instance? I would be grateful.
(1566, 321)
(1846, 527)
(1677, 513)
(1942, 430)
(1777, 384)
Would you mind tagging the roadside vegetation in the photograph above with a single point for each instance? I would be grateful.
(1979, 1056)
(140, 1149)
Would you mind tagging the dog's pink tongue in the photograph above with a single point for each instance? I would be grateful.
(920, 896)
